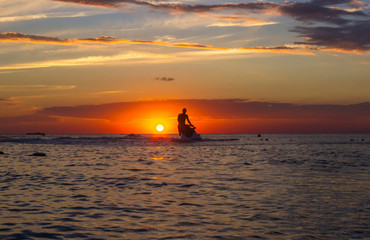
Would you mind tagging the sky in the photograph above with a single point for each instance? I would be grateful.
(124, 66)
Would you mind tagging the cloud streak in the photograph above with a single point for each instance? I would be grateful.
(21, 37)
(36, 87)
(14, 107)
(280, 49)
(241, 24)
(98, 3)
(89, 61)
(44, 16)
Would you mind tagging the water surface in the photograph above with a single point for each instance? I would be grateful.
(225, 187)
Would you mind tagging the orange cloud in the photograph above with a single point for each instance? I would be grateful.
(280, 49)
(91, 60)
(21, 37)
(230, 18)
(91, 2)
(240, 21)
(240, 24)
(105, 39)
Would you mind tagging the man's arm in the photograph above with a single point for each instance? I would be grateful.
(188, 120)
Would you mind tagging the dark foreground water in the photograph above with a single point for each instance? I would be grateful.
(225, 187)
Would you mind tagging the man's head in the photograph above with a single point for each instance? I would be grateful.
(184, 110)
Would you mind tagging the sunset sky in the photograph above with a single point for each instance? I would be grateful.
(123, 66)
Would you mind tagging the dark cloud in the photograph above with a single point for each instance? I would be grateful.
(336, 2)
(318, 11)
(164, 79)
(15, 36)
(348, 38)
(351, 33)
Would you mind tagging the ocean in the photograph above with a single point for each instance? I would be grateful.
(240, 186)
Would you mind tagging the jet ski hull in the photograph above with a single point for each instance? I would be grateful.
(194, 137)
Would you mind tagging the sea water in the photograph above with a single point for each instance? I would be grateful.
(158, 187)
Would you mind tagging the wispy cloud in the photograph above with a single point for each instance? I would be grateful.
(21, 37)
(92, 60)
(99, 3)
(36, 87)
(109, 92)
(240, 24)
(12, 107)
(22, 18)
(44, 16)
(233, 21)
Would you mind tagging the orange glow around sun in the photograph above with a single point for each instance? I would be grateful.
(159, 128)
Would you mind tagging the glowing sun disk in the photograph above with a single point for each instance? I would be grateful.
(159, 128)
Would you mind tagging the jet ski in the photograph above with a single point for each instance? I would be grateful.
(189, 133)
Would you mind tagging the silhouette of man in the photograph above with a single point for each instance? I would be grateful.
(182, 119)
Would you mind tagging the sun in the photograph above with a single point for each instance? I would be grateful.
(159, 127)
